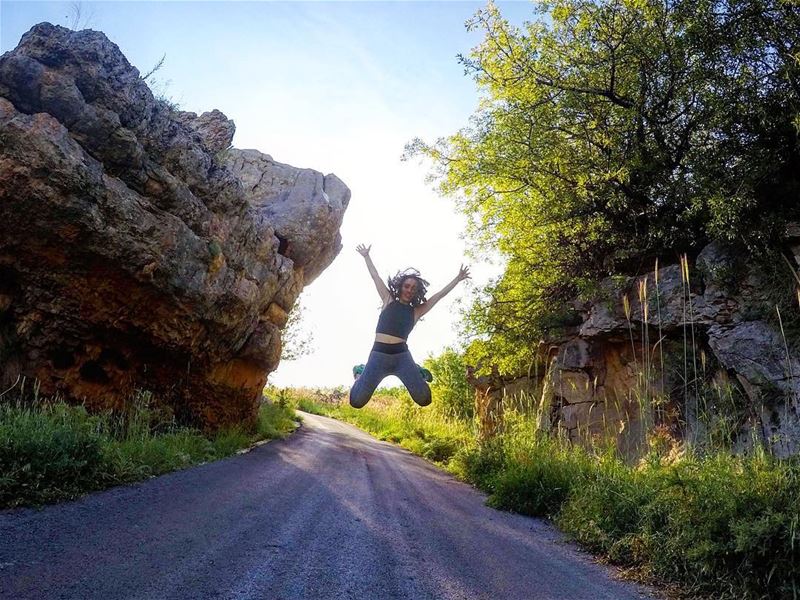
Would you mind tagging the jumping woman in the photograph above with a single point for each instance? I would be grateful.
(404, 303)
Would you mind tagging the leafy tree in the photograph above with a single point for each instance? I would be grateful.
(454, 396)
(613, 132)
(297, 341)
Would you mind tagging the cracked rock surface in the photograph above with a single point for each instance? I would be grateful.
(718, 323)
(710, 345)
(135, 252)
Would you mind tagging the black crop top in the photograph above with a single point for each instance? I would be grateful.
(396, 319)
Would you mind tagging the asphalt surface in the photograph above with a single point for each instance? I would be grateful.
(327, 513)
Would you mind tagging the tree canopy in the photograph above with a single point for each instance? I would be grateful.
(611, 133)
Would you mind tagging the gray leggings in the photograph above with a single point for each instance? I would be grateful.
(380, 365)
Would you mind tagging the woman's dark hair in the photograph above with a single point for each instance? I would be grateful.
(395, 284)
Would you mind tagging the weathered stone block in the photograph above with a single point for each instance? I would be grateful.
(573, 386)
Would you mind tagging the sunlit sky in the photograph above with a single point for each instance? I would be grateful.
(339, 87)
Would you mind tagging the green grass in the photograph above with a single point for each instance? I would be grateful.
(392, 416)
(51, 452)
(718, 525)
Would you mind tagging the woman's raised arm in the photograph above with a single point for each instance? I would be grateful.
(419, 311)
(383, 291)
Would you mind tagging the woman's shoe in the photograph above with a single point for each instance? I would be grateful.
(426, 375)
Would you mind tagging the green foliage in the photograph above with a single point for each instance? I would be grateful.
(539, 484)
(398, 393)
(778, 282)
(730, 518)
(452, 394)
(726, 271)
(391, 415)
(133, 459)
(480, 463)
(297, 340)
(440, 450)
(274, 421)
(605, 513)
(613, 132)
(310, 406)
(50, 451)
(49, 454)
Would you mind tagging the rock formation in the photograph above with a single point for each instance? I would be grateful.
(700, 357)
(137, 250)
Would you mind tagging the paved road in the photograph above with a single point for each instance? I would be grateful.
(327, 513)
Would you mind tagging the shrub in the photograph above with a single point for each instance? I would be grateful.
(604, 512)
(731, 519)
(48, 453)
(440, 449)
(542, 481)
(53, 451)
(480, 464)
(453, 397)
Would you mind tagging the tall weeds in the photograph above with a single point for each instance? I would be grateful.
(51, 451)
(660, 342)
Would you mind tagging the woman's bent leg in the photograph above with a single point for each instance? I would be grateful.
(376, 369)
(409, 374)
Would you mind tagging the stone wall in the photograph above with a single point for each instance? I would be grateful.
(696, 358)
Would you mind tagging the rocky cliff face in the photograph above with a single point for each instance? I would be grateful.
(137, 250)
(698, 357)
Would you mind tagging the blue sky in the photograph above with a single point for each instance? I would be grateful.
(335, 86)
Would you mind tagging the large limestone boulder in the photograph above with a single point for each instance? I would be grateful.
(132, 253)
(303, 206)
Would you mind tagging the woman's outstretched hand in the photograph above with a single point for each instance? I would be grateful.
(363, 250)
(422, 309)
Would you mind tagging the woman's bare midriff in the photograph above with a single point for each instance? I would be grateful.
(385, 338)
